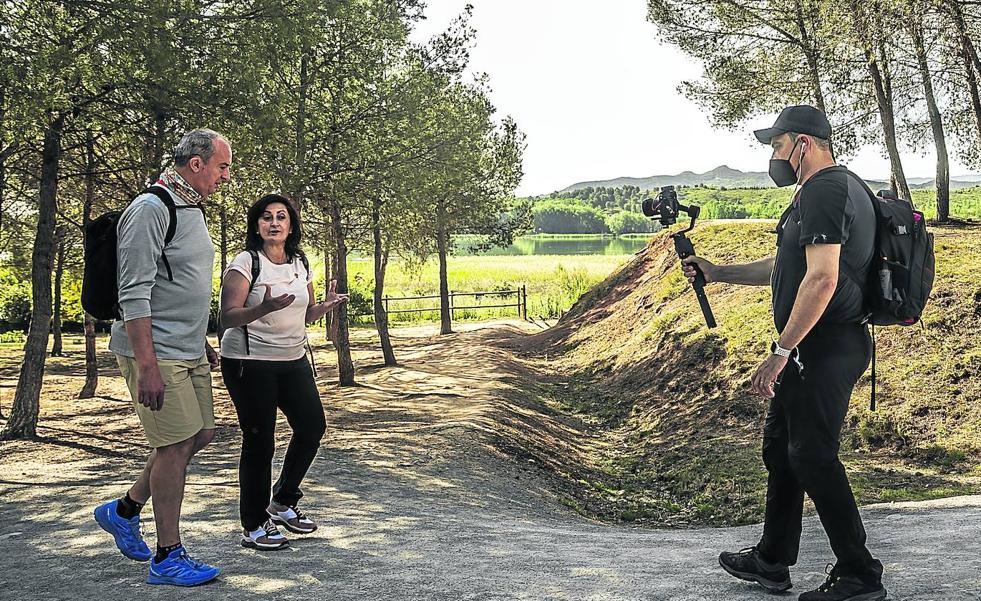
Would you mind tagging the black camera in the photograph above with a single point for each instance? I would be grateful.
(665, 208)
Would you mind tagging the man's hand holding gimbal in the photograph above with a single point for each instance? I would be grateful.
(756, 273)
(708, 269)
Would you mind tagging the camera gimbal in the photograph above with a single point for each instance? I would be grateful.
(665, 207)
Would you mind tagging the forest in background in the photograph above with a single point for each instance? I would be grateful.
(387, 146)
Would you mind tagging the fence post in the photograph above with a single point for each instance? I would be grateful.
(386, 305)
(524, 302)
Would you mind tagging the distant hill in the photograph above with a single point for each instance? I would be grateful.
(727, 177)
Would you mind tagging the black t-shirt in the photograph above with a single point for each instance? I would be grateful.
(830, 208)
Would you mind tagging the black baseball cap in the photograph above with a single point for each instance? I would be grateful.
(801, 119)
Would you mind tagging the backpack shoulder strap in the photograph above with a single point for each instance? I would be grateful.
(256, 266)
(875, 209)
(165, 197)
(313, 363)
(305, 261)
(862, 183)
(863, 285)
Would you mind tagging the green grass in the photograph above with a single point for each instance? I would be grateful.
(670, 397)
(769, 203)
(554, 282)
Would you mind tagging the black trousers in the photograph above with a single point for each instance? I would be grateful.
(257, 389)
(801, 440)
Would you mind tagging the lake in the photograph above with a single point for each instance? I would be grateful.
(560, 245)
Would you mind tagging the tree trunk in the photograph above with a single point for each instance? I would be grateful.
(329, 319)
(23, 417)
(223, 235)
(381, 263)
(973, 90)
(300, 149)
(972, 52)
(3, 188)
(937, 125)
(813, 66)
(57, 346)
(159, 137)
(91, 363)
(882, 80)
(969, 56)
(345, 366)
(3, 154)
(442, 242)
(883, 98)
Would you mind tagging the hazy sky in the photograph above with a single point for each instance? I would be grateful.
(596, 93)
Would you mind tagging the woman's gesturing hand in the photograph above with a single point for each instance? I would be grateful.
(331, 302)
(333, 299)
(271, 303)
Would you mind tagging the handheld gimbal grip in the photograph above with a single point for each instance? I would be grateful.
(685, 249)
(703, 302)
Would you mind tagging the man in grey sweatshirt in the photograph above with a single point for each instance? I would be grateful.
(162, 350)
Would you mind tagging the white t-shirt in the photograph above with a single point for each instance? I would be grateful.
(280, 335)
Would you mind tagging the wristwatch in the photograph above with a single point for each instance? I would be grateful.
(779, 351)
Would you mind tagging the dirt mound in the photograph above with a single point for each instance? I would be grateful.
(634, 360)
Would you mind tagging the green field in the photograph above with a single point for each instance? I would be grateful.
(553, 283)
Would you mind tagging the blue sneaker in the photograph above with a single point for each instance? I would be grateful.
(125, 532)
(178, 569)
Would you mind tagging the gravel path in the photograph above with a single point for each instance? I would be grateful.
(414, 503)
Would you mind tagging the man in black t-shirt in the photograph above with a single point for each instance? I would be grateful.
(823, 349)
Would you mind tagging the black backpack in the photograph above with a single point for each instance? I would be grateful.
(100, 288)
(903, 265)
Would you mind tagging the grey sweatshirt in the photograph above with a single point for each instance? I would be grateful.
(178, 309)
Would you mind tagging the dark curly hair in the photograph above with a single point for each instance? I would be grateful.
(253, 241)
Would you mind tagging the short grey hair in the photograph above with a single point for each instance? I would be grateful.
(197, 142)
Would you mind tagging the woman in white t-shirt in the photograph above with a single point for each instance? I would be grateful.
(264, 366)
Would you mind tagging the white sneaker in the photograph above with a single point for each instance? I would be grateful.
(291, 519)
(264, 538)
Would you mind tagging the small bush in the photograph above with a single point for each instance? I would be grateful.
(15, 305)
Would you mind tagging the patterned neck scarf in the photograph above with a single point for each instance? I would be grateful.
(179, 186)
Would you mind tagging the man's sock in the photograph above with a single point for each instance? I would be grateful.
(128, 508)
(163, 552)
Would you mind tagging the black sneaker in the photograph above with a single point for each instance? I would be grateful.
(841, 587)
(748, 565)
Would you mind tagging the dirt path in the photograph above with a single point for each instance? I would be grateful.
(422, 492)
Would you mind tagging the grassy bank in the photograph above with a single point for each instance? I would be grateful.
(681, 429)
